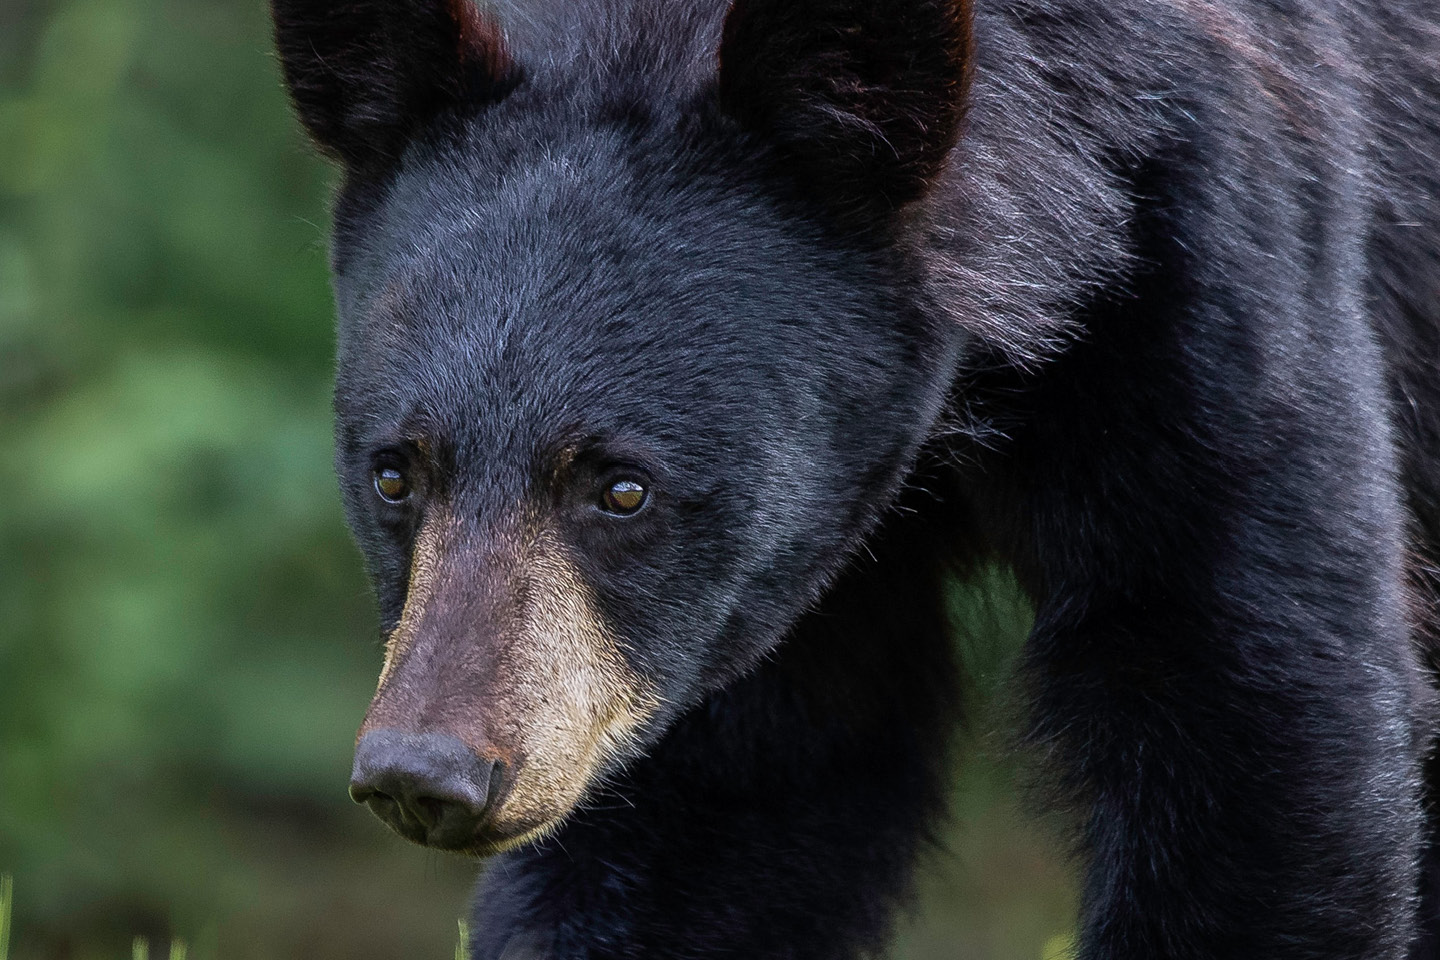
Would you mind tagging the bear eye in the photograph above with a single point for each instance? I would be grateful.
(391, 484)
(623, 497)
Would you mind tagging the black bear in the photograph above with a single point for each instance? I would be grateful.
(689, 348)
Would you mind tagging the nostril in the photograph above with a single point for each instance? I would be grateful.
(386, 808)
(360, 793)
(429, 811)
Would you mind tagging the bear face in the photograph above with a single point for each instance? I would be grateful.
(538, 310)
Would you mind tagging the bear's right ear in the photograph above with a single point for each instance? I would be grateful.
(867, 97)
(366, 74)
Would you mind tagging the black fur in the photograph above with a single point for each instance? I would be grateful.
(1150, 314)
(366, 75)
(869, 114)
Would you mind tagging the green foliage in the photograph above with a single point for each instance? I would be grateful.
(188, 644)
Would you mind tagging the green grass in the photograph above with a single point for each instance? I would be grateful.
(140, 949)
(7, 893)
(140, 946)
(1060, 947)
(462, 946)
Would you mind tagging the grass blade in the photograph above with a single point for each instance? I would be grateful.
(7, 893)
(462, 946)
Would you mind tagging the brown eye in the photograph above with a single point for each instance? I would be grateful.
(623, 497)
(391, 485)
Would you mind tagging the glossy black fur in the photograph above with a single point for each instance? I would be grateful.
(1162, 336)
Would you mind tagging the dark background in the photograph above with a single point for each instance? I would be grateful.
(186, 640)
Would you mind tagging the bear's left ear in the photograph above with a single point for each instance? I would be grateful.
(867, 97)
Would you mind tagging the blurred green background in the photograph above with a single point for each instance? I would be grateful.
(186, 640)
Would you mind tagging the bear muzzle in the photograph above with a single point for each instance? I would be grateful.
(504, 695)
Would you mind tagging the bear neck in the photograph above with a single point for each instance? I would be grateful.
(782, 817)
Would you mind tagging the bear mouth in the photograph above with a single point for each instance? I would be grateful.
(481, 840)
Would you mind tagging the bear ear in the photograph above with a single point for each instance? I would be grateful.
(364, 75)
(866, 97)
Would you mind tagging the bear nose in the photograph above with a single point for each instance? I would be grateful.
(428, 787)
